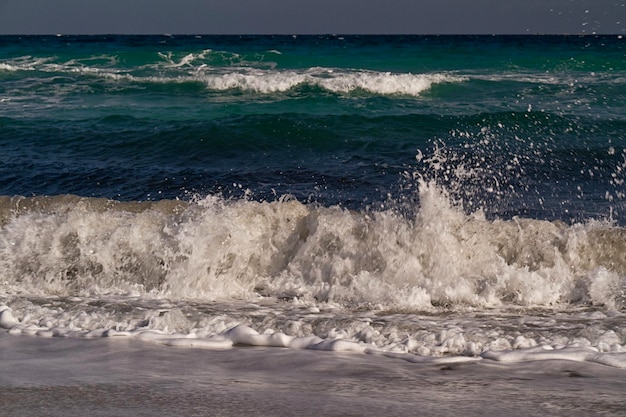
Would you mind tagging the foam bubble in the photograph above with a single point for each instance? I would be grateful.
(577, 354)
(7, 321)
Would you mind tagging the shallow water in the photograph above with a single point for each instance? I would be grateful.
(106, 377)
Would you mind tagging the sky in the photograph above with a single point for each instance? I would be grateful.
(312, 16)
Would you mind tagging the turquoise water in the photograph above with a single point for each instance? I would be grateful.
(329, 119)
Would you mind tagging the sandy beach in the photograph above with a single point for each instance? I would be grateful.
(125, 377)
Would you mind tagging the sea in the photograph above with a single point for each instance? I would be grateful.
(413, 199)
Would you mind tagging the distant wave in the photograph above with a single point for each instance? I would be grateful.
(243, 77)
(339, 81)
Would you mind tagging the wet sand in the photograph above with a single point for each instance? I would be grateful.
(125, 377)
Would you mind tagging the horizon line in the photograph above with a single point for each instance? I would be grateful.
(310, 34)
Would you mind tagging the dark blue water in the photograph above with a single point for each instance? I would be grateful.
(531, 126)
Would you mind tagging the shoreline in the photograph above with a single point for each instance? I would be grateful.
(126, 377)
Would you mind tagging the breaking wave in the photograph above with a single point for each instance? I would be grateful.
(218, 249)
(241, 77)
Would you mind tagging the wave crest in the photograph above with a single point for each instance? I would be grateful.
(217, 249)
(336, 81)
(208, 69)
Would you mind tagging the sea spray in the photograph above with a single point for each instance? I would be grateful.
(216, 249)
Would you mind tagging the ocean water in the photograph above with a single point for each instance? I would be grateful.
(424, 198)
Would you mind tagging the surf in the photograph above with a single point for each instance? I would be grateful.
(215, 248)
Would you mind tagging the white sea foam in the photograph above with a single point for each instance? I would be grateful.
(7, 67)
(386, 83)
(25, 63)
(254, 80)
(184, 274)
(338, 81)
(191, 59)
(216, 248)
(450, 345)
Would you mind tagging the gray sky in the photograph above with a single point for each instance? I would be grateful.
(312, 16)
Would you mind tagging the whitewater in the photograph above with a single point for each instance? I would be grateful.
(292, 261)
(442, 290)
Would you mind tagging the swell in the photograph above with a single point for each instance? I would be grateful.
(74, 79)
(505, 163)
